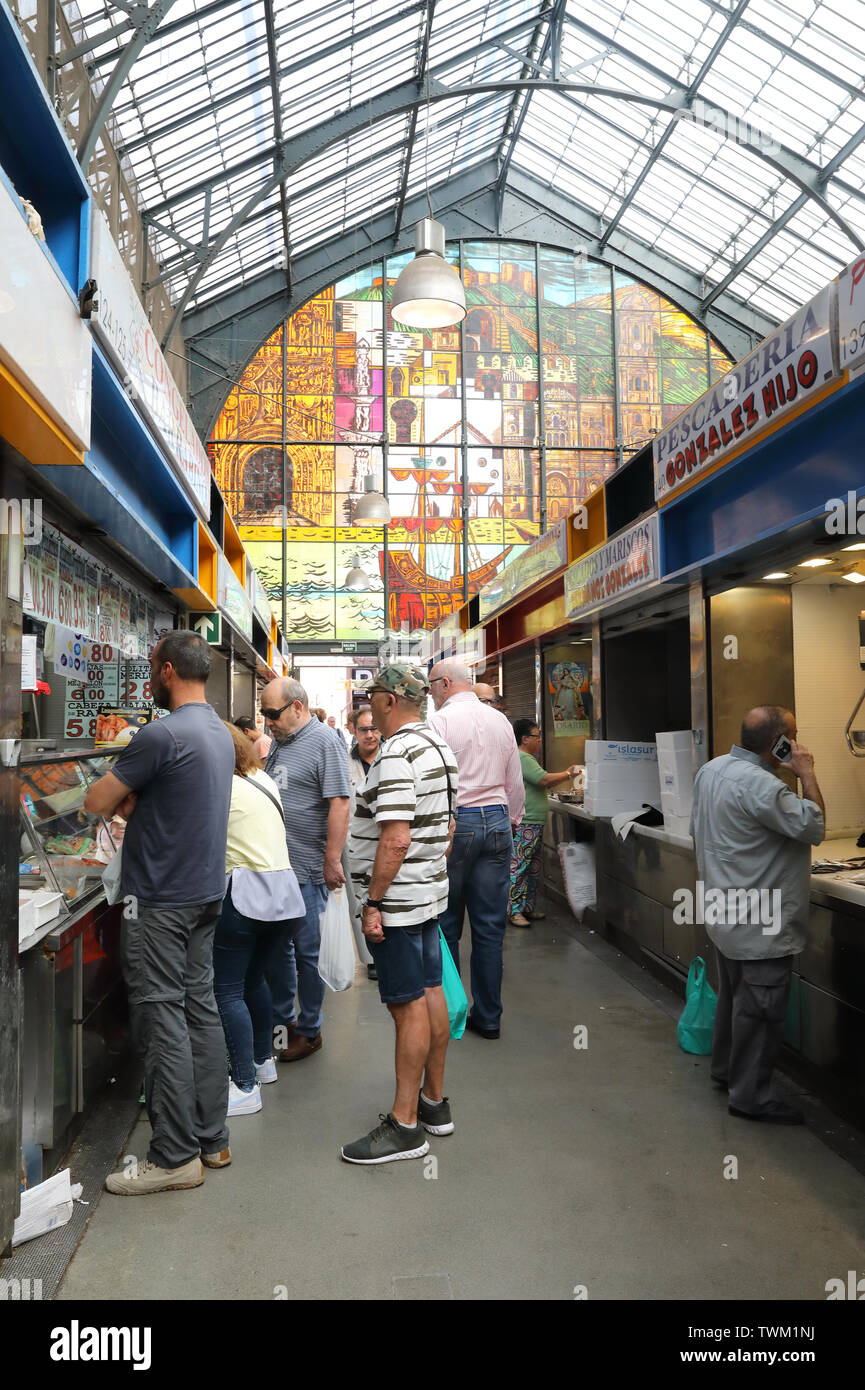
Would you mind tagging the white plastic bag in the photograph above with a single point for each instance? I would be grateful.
(336, 959)
(578, 871)
(111, 876)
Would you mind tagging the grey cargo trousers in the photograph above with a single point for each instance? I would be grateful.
(749, 1027)
(167, 957)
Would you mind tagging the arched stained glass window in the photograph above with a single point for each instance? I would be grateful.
(481, 434)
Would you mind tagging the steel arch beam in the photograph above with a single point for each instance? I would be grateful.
(145, 27)
(219, 333)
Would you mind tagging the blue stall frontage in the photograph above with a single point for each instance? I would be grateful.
(762, 527)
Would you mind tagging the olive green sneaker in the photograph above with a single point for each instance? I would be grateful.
(386, 1143)
(435, 1116)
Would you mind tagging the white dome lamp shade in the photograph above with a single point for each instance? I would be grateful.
(372, 509)
(357, 579)
(429, 293)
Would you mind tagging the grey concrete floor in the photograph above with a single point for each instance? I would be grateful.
(600, 1168)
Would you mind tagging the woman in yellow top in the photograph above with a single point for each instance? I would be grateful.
(262, 906)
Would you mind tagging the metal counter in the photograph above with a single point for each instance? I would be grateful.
(636, 880)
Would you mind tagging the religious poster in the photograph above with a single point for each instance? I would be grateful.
(568, 684)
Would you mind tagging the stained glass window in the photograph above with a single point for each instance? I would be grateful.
(479, 433)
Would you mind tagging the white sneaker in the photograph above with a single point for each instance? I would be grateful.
(243, 1102)
(265, 1072)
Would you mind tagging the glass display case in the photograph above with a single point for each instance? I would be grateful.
(63, 849)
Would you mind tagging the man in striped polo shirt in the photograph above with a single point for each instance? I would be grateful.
(398, 847)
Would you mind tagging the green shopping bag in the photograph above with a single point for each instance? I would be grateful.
(697, 1024)
(455, 995)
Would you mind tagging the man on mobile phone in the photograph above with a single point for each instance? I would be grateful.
(752, 836)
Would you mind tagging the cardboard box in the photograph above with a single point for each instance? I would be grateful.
(604, 751)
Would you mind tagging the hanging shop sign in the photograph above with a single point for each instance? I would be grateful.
(542, 558)
(625, 563)
(775, 379)
(232, 599)
(43, 339)
(260, 601)
(123, 328)
(851, 316)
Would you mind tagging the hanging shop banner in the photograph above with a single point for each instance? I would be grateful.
(568, 682)
(851, 316)
(260, 601)
(542, 558)
(232, 599)
(41, 579)
(123, 328)
(625, 563)
(776, 378)
(109, 613)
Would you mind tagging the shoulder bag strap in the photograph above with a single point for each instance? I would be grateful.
(432, 743)
(272, 799)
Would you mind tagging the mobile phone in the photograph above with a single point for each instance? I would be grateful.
(782, 749)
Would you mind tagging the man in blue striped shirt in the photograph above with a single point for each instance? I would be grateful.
(309, 764)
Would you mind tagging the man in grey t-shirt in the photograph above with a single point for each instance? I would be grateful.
(309, 763)
(752, 836)
(173, 785)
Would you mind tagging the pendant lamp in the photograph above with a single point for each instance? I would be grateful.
(372, 509)
(357, 579)
(429, 293)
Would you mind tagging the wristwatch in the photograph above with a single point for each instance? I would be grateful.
(374, 902)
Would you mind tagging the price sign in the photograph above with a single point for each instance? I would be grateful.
(135, 689)
(851, 316)
(100, 687)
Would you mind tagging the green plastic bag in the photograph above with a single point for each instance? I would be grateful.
(455, 995)
(697, 1024)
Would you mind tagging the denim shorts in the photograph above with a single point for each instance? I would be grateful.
(407, 962)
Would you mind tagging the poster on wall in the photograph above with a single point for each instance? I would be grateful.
(568, 683)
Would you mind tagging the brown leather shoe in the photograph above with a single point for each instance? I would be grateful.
(300, 1046)
(284, 1035)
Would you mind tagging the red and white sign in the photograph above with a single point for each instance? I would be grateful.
(851, 316)
(774, 379)
(122, 327)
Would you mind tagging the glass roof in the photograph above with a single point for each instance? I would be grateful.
(723, 135)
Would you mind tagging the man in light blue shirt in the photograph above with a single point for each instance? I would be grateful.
(752, 837)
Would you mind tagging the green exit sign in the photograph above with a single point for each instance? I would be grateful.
(208, 626)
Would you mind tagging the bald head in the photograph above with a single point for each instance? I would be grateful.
(763, 725)
(485, 693)
(447, 678)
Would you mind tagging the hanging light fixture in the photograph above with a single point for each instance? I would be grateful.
(357, 579)
(372, 509)
(429, 293)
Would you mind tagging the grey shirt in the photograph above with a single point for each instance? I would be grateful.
(752, 833)
(310, 769)
(174, 848)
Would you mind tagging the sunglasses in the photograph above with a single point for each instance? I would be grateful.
(273, 714)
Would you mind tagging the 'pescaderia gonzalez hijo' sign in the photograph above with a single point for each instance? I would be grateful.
(777, 377)
(614, 570)
(124, 331)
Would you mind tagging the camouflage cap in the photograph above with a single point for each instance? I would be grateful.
(402, 678)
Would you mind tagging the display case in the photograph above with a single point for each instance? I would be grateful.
(63, 849)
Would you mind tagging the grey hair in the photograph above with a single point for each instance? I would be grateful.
(762, 726)
(291, 690)
(456, 672)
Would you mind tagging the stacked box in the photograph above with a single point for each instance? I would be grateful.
(676, 769)
(620, 777)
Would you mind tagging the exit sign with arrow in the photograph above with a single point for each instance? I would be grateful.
(208, 626)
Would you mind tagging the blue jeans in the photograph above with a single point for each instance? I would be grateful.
(242, 948)
(296, 964)
(479, 879)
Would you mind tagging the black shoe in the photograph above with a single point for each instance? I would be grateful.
(720, 1083)
(386, 1143)
(489, 1033)
(775, 1114)
(435, 1116)
(371, 972)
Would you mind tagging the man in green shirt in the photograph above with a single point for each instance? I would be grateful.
(526, 861)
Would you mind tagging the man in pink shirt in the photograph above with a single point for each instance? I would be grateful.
(491, 799)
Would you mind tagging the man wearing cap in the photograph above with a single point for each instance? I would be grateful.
(398, 846)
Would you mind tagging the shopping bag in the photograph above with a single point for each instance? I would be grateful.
(455, 995)
(697, 1024)
(111, 876)
(336, 959)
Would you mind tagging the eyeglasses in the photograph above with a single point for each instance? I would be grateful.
(437, 678)
(487, 702)
(366, 729)
(273, 714)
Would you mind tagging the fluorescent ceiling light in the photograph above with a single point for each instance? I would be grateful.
(778, 574)
(854, 577)
(860, 545)
(813, 564)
